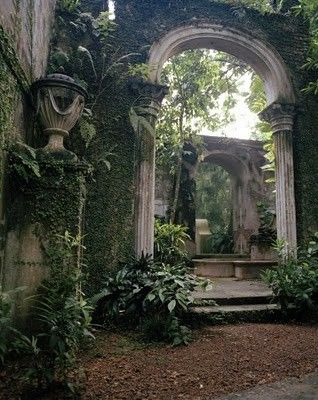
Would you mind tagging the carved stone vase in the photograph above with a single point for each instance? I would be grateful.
(59, 104)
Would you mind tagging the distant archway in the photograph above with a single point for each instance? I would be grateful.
(243, 160)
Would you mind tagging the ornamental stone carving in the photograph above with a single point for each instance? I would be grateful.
(144, 113)
(280, 116)
(59, 103)
(149, 98)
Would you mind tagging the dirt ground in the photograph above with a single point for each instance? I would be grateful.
(220, 360)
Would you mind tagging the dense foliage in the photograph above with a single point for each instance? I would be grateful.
(214, 203)
(170, 242)
(61, 318)
(202, 92)
(154, 294)
(295, 281)
(264, 6)
(266, 234)
(309, 10)
(8, 334)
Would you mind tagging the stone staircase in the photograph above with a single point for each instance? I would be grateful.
(234, 296)
(230, 266)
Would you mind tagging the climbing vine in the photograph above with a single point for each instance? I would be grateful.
(8, 52)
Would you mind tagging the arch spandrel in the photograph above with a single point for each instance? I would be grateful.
(260, 56)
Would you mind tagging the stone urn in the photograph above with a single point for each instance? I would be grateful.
(59, 103)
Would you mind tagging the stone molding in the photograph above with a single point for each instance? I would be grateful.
(258, 54)
(280, 116)
(147, 92)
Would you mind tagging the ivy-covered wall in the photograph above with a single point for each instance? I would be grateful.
(104, 62)
(103, 55)
(25, 28)
(143, 22)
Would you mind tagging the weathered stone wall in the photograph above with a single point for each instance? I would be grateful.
(29, 23)
(25, 31)
(111, 193)
(140, 23)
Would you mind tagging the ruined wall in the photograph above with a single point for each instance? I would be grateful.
(25, 29)
(139, 23)
(286, 33)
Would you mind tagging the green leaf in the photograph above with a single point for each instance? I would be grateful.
(172, 305)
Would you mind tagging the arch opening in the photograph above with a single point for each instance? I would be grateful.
(265, 60)
(269, 65)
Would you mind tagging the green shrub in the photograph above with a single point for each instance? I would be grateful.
(170, 242)
(220, 242)
(155, 295)
(64, 321)
(295, 281)
(62, 316)
(8, 334)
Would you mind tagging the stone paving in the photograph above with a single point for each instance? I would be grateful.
(290, 389)
(233, 288)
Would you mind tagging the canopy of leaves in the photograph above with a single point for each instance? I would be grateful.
(202, 86)
(213, 196)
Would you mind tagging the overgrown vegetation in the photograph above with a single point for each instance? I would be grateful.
(170, 240)
(61, 321)
(8, 334)
(295, 280)
(202, 92)
(309, 10)
(154, 295)
(23, 163)
(214, 203)
(266, 234)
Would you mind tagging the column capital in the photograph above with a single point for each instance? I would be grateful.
(147, 91)
(149, 97)
(280, 116)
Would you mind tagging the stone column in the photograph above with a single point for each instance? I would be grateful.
(143, 117)
(281, 118)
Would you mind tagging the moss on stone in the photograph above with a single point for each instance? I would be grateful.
(109, 218)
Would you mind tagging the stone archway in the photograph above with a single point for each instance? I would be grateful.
(243, 160)
(267, 63)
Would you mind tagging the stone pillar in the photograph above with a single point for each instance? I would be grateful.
(42, 207)
(281, 118)
(143, 117)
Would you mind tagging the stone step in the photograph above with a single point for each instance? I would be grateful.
(214, 268)
(223, 256)
(241, 269)
(243, 308)
(236, 301)
(231, 291)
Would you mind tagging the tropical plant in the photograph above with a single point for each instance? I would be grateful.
(266, 232)
(257, 102)
(220, 241)
(22, 161)
(69, 5)
(154, 295)
(170, 243)
(295, 280)
(63, 318)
